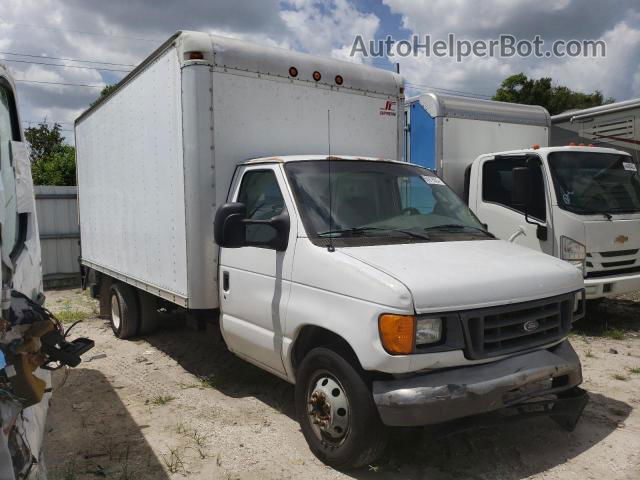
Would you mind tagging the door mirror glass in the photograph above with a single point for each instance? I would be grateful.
(229, 229)
(232, 229)
(521, 192)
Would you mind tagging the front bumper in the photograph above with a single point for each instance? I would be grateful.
(461, 392)
(611, 286)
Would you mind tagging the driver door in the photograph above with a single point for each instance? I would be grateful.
(255, 282)
(495, 208)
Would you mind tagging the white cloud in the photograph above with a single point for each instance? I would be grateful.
(616, 75)
(612, 74)
(125, 32)
(328, 28)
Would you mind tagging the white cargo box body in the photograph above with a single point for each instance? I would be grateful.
(155, 157)
(446, 133)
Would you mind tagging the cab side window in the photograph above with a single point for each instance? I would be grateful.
(497, 185)
(260, 193)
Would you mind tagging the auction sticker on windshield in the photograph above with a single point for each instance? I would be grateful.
(630, 166)
(432, 180)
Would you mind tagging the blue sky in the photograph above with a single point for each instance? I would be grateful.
(126, 31)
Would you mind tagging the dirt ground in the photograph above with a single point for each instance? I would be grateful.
(177, 405)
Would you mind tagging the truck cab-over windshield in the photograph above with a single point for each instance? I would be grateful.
(590, 182)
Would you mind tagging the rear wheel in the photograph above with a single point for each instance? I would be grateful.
(336, 411)
(125, 319)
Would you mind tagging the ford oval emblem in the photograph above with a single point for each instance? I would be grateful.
(531, 326)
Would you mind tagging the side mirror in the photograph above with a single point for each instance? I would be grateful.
(231, 225)
(521, 195)
(228, 228)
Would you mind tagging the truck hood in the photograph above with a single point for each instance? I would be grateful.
(463, 275)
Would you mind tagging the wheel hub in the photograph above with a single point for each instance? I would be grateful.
(115, 312)
(329, 408)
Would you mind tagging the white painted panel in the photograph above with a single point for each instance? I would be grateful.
(463, 140)
(131, 182)
(258, 117)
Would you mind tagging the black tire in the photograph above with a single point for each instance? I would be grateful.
(125, 320)
(365, 438)
(148, 313)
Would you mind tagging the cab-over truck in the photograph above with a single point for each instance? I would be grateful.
(577, 201)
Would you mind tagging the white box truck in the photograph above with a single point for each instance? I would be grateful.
(616, 125)
(359, 278)
(578, 203)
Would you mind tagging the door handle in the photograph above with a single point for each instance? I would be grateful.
(517, 233)
(225, 281)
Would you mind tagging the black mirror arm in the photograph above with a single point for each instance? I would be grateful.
(541, 230)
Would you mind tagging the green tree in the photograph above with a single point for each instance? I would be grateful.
(555, 98)
(53, 162)
(104, 92)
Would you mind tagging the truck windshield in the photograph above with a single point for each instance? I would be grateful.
(378, 202)
(589, 182)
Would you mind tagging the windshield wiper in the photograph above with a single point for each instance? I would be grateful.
(361, 230)
(457, 226)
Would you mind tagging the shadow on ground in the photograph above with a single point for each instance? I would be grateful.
(82, 443)
(201, 354)
(611, 318)
(512, 451)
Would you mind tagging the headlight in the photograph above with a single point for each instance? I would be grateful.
(428, 330)
(573, 252)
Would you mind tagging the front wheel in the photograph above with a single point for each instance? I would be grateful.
(336, 411)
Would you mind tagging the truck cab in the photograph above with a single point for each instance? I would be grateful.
(368, 282)
(582, 205)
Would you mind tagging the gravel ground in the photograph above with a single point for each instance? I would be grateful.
(177, 405)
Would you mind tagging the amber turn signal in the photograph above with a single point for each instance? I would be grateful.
(397, 333)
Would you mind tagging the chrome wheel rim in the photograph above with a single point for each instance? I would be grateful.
(328, 409)
(115, 312)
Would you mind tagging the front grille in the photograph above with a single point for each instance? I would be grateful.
(610, 273)
(494, 331)
(619, 253)
(613, 262)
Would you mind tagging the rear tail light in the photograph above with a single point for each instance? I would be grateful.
(195, 55)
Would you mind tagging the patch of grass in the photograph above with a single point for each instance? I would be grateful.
(161, 400)
(187, 386)
(70, 316)
(614, 334)
(635, 370)
(126, 472)
(619, 376)
(173, 460)
(68, 472)
(181, 429)
(199, 439)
